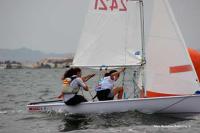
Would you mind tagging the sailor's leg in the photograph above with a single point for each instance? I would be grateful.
(61, 96)
(119, 91)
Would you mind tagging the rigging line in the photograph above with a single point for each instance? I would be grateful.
(123, 80)
(126, 28)
(82, 91)
(99, 73)
(91, 95)
(135, 82)
(171, 105)
(134, 89)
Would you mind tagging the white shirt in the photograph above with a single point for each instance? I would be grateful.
(107, 83)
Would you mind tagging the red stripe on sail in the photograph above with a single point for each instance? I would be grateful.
(178, 69)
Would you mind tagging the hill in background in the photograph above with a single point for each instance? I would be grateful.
(29, 55)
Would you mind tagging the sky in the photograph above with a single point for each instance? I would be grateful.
(46, 25)
(55, 25)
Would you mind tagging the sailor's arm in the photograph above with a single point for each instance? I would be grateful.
(86, 78)
(118, 72)
(83, 85)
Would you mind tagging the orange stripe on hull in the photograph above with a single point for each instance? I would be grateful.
(156, 94)
(178, 69)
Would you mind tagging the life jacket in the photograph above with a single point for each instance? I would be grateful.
(67, 89)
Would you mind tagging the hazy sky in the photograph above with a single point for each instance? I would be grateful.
(46, 25)
(55, 25)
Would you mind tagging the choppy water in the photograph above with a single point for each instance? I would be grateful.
(19, 87)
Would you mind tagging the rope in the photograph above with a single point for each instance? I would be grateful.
(91, 95)
(82, 92)
(171, 105)
(134, 91)
(123, 80)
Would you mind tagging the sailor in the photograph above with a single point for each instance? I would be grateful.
(73, 84)
(66, 78)
(106, 90)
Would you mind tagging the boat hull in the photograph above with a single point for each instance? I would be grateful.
(162, 105)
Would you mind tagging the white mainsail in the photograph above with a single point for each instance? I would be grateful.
(112, 37)
(169, 69)
(111, 34)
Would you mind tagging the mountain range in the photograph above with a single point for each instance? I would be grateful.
(28, 55)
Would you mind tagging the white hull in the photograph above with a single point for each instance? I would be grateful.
(165, 105)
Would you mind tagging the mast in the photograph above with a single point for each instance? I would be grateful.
(143, 62)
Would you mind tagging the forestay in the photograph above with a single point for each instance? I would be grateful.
(111, 35)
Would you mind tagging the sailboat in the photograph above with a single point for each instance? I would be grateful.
(142, 34)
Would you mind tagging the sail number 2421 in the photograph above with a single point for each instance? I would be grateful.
(119, 5)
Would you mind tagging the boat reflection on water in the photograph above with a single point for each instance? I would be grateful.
(110, 121)
(75, 122)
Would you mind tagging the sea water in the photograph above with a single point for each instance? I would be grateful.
(18, 87)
